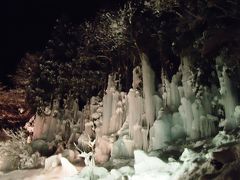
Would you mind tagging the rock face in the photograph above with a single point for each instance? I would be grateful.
(43, 147)
(226, 166)
(231, 171)
(227, 155)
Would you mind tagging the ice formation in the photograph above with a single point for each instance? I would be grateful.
(147, 118)
(147, 167)
(227, 93)
(160, 132)
(148, 89)
(67, 167)
(181, 108)
(222, 138)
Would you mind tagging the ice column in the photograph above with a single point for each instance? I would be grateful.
(135, 111)
(186, 113)
(197, 111)
(226, 90)
(175, 96)
(107, 105)
(136, 77)
(160, 132)
(187, 77)
(177, 130)
(158, 104)
(148, 89)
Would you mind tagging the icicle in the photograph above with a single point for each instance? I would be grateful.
(137, 137)
(148, 89)
(131, 111)
(175, 97)
(135, 105)
(115, 100)
(107, 105)
(187, 78)
(158, 104)
(75, 110)
(181, 91)
(186, 113)
(139, 108)
(177, 130)
(145, 139)
(168, 93)
(52, 129)
(123, 148)
(197, 111)
(207, 127)
(226, 90)
(160, 132)
(237, 114)
(207, 100)
(116, 121)
(136, 77)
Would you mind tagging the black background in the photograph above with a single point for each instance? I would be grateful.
(27, 25)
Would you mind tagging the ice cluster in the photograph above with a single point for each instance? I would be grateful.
(179, 109)
(148, 117)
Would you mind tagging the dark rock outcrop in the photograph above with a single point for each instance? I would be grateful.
(43, 147)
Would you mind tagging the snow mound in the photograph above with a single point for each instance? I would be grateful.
(147, 167)
(222, 138)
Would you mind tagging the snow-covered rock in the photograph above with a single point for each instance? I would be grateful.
(52, 162)
(222, 138)
(123, 148)
(96, 116)
(103, 149)
(151, 168)
(91, 173)
(67, 168)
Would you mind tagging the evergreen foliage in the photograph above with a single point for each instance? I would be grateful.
(78, 58)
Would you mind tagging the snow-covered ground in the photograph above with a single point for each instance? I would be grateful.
(57, 173)
(191, 163)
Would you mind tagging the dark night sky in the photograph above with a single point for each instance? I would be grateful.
(28, 24)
